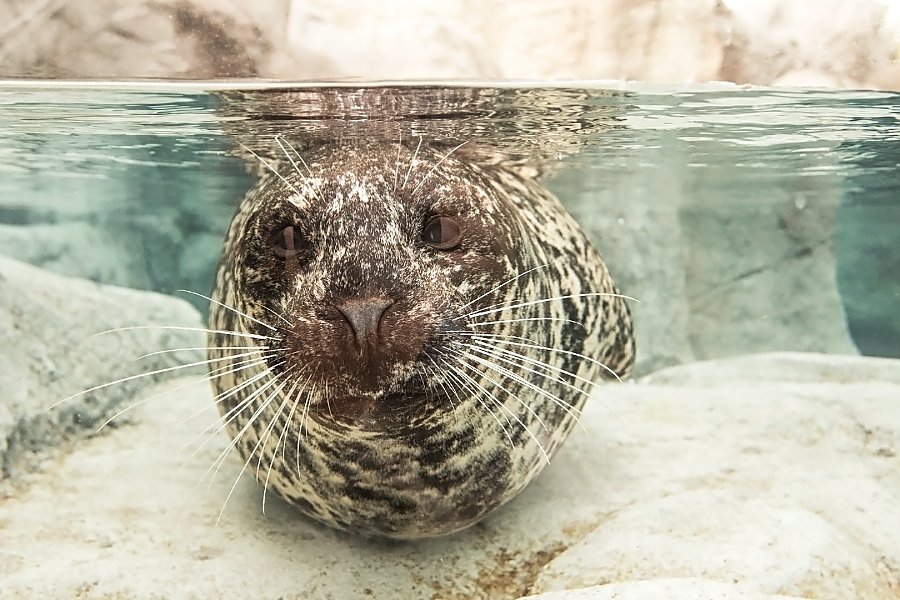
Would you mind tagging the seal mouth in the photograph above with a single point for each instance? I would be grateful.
(381, 409)
(403, 399)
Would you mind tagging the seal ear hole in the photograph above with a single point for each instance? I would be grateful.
(442, 233)
(286, 242)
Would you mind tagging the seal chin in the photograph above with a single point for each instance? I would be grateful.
(377, 412)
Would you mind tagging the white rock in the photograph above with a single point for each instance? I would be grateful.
(789, 486)
(668, 589)
(677, 41)
(48, 351)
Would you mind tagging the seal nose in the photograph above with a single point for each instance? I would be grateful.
(364, 316)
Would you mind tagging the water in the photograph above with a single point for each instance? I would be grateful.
(744, 219)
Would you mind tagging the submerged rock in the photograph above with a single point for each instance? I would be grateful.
(48, 351)
(718, 270)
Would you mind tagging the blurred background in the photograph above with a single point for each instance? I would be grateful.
(834, 43)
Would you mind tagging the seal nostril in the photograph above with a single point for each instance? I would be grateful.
(364, 316)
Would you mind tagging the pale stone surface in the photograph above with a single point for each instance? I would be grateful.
(771, 474)
(676, 40)
(48, 351)
(668, 589)
(830, 42)
(168, 38)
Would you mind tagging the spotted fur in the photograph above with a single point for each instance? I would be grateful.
(471, 406)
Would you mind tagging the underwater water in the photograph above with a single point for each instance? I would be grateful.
(743, 220)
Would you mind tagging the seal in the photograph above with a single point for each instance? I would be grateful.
(404, 336)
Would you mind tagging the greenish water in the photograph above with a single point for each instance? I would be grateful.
(744, 220)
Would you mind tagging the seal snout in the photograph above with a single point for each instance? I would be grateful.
(364, 316)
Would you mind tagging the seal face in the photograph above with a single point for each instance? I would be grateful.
(405, 336)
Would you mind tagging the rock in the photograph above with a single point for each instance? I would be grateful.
(735, 479)
(761, 42)
(761, 272)
(163, 39)
(867, 243)
(76, 248)
(49, 351)
(641, 241)
(716, 275)
(670, 589)
(678, 40)
(773, 478)
(776, 42)
(779, 367)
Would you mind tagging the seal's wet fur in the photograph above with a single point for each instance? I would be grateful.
(442, 413)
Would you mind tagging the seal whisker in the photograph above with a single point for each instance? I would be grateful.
(282, 441)
(237, 479)
(289, 374)
(566, 406)
(229, 416)
(444, 355)
(240, 365)
(506, 373)
(440, 381)
(213, 374)
(271, 168)
(246, 403)
(225, 394)
(294, 393)
(299, 393)
(138, 376)
(503, 406)
(279, 315)
(507, 339)
(466, 382)
(146, 399)
(411, 161)
(306, 181)
(397, 164)
(267, 434)
(304, 426)
(328, 400)
(253, 336)
(524, 320)
(512, 357)
(503, 284)
(480, 390)
(436, 165)
(172, 350)
(456, 389)
(211, 431)
(302, 161)
(231, 308)
(499, 307)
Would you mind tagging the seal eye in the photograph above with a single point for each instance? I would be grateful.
(441, 233)
(286, 242)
